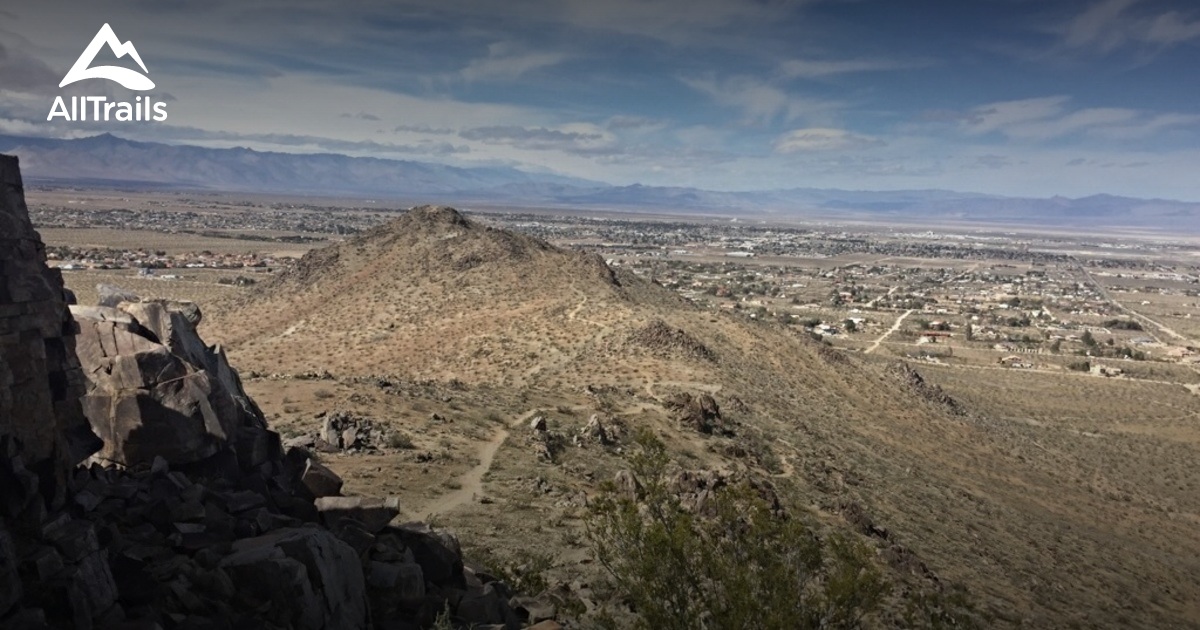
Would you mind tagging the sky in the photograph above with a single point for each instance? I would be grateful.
(1012, 97)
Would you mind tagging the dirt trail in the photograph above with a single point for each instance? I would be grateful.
(894, 328)
(710, 388)
(471, 482)
(575, 311)
(785, 461)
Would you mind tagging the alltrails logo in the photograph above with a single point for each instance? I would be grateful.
(101, 109)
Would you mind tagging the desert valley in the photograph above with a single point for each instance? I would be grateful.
(921, 389)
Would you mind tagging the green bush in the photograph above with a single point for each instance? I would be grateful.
(740, 565)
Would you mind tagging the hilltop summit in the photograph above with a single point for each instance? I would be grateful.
(436, 292)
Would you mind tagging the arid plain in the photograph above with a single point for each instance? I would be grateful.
(952, 424)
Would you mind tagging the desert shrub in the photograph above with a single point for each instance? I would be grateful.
(1122, 324)
(525, 573)
(401, 440)
(741, 565)
(323, 394)
(1079, 366)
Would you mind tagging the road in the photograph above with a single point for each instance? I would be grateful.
(894, 328)
(1136, 315)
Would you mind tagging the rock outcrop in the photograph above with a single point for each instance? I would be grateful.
(663, 338)
(40, 379)
(205, 522)
(913, 380)
(155, 389)
(701, 413)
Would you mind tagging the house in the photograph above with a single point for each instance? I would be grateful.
(1104, 370)
(1014, 361)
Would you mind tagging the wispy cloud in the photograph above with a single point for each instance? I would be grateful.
(424, 129)
(1053, 117)
(822, 139)
(1147, 126)
(292, 141)
(1006, 115)
(360, 116)
(680, 22)
(727, 93)
(760, 102)
(1108, 25)
(820, 68)
(992, 161)
(20, 72)
(505, 61)
(571, 138)
(634, 123)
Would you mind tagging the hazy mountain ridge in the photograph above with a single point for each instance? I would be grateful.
(109, 160)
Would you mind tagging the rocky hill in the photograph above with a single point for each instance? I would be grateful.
(192, 515)
(506, 327)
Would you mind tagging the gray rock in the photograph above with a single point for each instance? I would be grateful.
(95, 579)
(44, 563)
(300, 441)
(105, 314)
(374, 514)
(75, 539)
(40, 377)
(487, 606)
(437, 553)
(533, 609)
(110, 296)
(356, 535)
(10, 583)
(304, 578)
(256, 446)
(406, 580)
(156, 389)
(320, 481)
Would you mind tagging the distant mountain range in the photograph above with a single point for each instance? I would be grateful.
(107, 160)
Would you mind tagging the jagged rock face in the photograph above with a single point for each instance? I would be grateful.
(155, 388)
(40, 380)
(231, 540)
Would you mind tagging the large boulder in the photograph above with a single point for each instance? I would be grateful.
(303, 578)
(156, 389)
(374, 514)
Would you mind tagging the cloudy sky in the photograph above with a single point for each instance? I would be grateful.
(1020, 97)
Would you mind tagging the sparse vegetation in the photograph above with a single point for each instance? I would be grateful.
(503, 335)
(400, 440)
(1123, 324)
(742, 566)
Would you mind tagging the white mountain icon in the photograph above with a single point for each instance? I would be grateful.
(129, 78)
